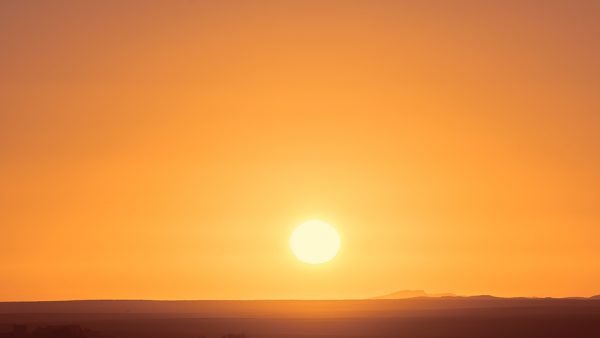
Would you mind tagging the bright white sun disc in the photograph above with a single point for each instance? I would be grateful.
(315, 242)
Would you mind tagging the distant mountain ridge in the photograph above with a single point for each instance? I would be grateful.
(407, 294)
(403, 294)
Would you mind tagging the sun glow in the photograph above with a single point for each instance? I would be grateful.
(315, 242)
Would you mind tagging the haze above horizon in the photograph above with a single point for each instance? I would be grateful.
(168, 149)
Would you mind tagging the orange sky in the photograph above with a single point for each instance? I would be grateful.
(167, 149)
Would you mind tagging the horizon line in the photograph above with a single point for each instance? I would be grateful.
(290, 299)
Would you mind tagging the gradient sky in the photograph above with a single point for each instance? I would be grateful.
(167, 149)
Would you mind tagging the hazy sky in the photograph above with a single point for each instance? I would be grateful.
(167, 149)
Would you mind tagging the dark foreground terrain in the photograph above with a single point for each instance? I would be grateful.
(419, 318)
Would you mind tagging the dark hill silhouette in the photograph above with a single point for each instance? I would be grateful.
(423, 317)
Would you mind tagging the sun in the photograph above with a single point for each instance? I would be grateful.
(315, 242)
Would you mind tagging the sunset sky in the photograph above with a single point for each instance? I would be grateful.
(167, 149)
